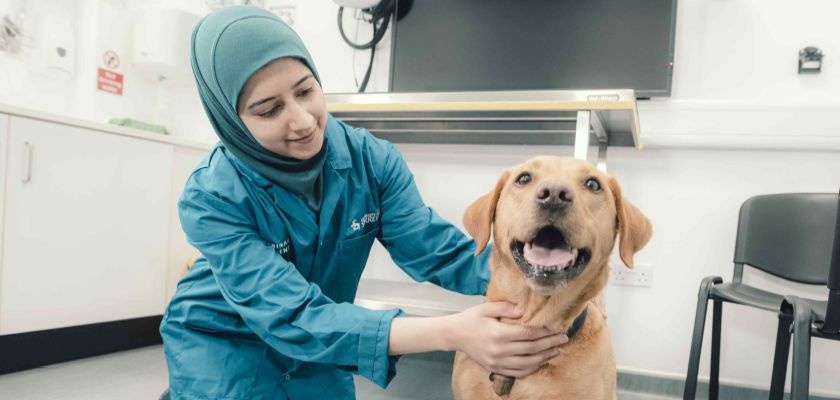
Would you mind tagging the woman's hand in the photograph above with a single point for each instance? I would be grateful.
(506, 349)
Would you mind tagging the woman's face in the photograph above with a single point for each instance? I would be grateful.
(283, 107)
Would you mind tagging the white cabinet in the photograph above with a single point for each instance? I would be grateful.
(4, 139)
(85, 226)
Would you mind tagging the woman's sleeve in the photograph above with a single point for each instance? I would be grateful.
(290, 314)
(423, 244)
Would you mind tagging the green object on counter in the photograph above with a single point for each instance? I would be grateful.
(133, 123)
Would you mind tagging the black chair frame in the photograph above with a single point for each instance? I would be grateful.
(804, 319)
(775, 234)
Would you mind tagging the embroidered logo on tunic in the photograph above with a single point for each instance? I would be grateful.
(282, 247)
(366, 219)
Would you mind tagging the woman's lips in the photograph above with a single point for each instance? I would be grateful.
(304, 140)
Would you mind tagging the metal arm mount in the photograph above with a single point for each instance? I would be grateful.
(548, 117)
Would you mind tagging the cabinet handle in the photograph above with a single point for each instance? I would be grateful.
(27, 162)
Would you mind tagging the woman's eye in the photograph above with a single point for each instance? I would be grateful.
(305, 92)
(593, 184)
(523, 179)
(270, 113)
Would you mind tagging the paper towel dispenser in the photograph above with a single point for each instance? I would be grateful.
(162, 43)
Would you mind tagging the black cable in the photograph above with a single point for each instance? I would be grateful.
(363, 86)
(380, 18)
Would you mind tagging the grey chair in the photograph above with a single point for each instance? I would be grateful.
(786, 235)
(806, 318)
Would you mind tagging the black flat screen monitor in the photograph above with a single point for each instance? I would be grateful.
(474, 45)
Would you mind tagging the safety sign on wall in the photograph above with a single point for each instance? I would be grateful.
(110, 59)
(108, 80)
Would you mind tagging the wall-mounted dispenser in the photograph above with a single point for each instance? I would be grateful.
(57, 43)
(162, 43)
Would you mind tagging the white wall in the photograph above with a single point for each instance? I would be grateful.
(96, 24)
(692, 197)
(735, 86)
(735, 82)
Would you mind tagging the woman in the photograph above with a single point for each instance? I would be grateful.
(284, 211)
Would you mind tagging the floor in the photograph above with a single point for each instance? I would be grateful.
(141, 374)
(134, 374)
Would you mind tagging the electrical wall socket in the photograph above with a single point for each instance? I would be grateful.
(640, 276)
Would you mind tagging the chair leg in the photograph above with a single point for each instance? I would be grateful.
(690, 390)
(780, 356)
(800, 369)
(714, 373)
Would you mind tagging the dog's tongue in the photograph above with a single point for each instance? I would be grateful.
(538, 255)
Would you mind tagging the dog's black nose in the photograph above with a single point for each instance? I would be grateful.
(554, 195)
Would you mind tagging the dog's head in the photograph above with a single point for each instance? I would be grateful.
(555, 220)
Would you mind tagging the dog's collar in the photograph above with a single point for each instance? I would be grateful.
(503, 387)
(577, 324)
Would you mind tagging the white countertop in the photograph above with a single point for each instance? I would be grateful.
(416, 299)
(102, 127)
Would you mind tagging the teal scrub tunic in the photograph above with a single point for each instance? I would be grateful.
(267, 312)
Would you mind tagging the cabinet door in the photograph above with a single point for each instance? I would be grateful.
(85, 227)
(4, 153)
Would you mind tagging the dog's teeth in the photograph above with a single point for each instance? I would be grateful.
(573, 259)
(545, 268)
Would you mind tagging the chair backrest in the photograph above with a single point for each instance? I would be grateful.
(788, 235)
(832, 315)
(834, 274)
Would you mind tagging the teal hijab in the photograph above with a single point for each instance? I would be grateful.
(228, 46)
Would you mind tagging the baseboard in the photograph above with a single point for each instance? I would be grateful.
(35, 349)
(672, 387)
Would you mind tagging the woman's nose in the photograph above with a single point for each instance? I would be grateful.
(299, 118)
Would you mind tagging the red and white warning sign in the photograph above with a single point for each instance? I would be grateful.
(109, 81)
(110, 59)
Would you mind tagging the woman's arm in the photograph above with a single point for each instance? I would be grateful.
(421, 243)
(511, 350)
(275, 301)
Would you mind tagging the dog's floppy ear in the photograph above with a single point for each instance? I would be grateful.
(633, 227)
(479, 215)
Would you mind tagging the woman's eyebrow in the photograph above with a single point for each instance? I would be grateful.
(258, 102)
(301, 80)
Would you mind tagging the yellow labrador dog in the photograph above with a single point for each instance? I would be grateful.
(554, 222)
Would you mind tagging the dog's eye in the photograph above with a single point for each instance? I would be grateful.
(523, 179)
(593, 184)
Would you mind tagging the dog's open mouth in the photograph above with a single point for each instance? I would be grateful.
(548, 258)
